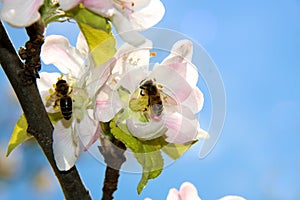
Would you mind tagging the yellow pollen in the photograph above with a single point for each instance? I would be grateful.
(51, 91)
(153, 54)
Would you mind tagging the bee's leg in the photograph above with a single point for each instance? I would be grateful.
(70, 90)
(56, 104)
(142, 93)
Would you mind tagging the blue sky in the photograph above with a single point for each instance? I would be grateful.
(255, 46)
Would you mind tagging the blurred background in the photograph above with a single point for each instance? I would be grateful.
(255, 46)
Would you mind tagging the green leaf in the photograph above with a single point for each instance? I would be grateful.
(175, 151)
(50, 12)
(19, 134)
(97, 32)
(147, 153)
(152, 162)
(84, 16)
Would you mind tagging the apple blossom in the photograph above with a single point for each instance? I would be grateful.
(20, 13)
(84, 79)
(175, 80)
(188, 191)
(125, 15)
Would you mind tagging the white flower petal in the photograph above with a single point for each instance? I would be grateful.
(127, 8)
(202, 134)
(88, 130)
(108, 104)
(65, 145)
(173, 194)
(194, 101)
(145, 130)
(68, 4)
(232, 198)
(126, 31)
(58, 51)
(94, 79)
(174, 84)
(180, 60)
(188, 192)
(45, 83)
(20, 13)
(180, 128)
(132, 79)
(181, 50)
(130, 57)
(82, 45)
(103, 7)
(148, 16)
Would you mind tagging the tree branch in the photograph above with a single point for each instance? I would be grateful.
(39, 124)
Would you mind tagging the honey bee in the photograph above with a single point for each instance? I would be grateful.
(149, 88)
(62, 92)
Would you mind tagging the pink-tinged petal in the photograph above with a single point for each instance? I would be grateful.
(108, 104)
(232, 198)
(82, 45)
(20, 13)
(88, 130)
(180, 129)
(182, 51)
(188, 192)
(187, 70)
(173, 83)
(173, 194)
(58, 51)
(69, 4)
(103, 7)
(145, 130)
(96, 77)
(195, 101)
(180, 60)
(132, 79)
(65, 145)
(148, 16)
(126, 31)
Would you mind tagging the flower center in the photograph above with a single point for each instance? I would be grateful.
(125, 6)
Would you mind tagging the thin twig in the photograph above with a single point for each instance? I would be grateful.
(39, 124)
(113, 153)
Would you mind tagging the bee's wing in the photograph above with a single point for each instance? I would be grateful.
(167, 98)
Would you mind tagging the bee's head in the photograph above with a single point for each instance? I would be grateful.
(146, 84)
(61, 82)
(62, 87)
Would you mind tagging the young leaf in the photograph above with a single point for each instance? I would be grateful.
(152, 163)
(19, 134)
(147, 153)
(97, 32)
(101, 44)
(175, 151)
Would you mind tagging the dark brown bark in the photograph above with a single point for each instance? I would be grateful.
(39, 124)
